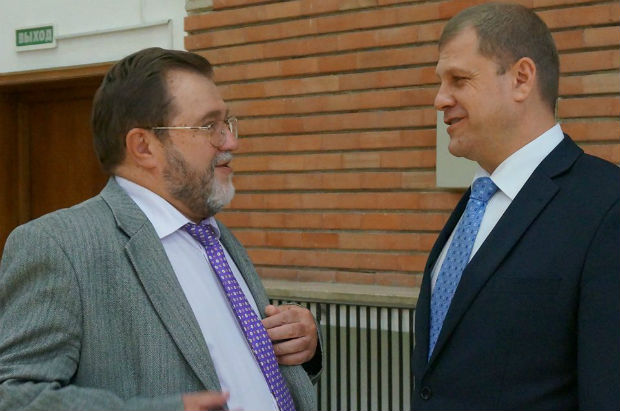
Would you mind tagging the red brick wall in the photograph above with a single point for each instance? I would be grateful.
(335, 172)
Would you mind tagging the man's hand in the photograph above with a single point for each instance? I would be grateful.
(293, 332)
(204, 400)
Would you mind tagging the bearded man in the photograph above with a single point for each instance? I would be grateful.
(138, 298)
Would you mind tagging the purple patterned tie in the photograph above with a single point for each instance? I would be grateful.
(251, 325)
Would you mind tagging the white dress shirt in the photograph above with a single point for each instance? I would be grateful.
(235, 365)
(510, 176)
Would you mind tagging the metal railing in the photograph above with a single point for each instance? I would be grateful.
(367, 356)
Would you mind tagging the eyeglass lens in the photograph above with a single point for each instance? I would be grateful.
(218, 138)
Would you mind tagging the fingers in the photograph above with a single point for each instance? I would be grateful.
(271, 310)
(289, 321)
(288, 331)
(295, 351)
(204, 400)
(293, 332)
(292, 346)
(286, 314)
(277, 316)
(294, 359)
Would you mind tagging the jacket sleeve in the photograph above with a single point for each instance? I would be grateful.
(41, 331)
(598, 325)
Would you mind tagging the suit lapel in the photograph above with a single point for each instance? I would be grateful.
(537, 192)
(149, 260)
(245, 266)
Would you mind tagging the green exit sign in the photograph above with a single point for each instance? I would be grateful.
(33, 38)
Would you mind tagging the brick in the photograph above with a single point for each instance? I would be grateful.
(448, 9)
(402, 56)
(277, 273)
(287, 239)
(338, 259)
(377, 18)
(604, 36)
(391, 241)
(550, 3)
(589, 107)
(304, 8)
(331, 83)
(431, 201)
(609, 152)
(241, 16)
(581, 16)
(335, 171)
(252, 237)
(369, 140)
(398, 280)
(386, 180)
(337, 122)
(367, 220)
(388, 78)
(589, 130)
(342, 102)
(349, 277)
(588, 37)
(418, 179)
(248, 71)
(590, 61)
(424, 158)
(590, 84)
(335, 43)
(332, 161)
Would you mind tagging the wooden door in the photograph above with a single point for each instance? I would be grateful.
(55, 164)
(62, 165)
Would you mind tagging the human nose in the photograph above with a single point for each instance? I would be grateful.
(231, 141)
(444, 98)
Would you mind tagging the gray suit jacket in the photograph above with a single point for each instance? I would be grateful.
(92, 315)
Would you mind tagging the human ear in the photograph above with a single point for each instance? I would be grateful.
(140, 146)
(524, 78)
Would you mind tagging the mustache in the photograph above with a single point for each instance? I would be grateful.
(222, 158)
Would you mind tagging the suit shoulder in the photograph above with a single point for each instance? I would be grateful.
(601, 166)
(600, 174)
(92, 215)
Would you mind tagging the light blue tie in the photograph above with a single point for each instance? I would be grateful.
(458, 255)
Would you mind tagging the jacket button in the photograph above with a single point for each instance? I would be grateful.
(426, 393)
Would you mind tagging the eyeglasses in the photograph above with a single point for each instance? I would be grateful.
(216, 130)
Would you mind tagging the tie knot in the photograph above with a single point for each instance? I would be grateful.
(483, 189)
(204, 234)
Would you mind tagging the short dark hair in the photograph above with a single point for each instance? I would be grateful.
(134, 93)
(507, 32)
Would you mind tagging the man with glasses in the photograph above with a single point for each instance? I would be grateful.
(138, 298)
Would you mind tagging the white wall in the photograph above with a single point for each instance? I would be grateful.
(88, 31)
(451, 171)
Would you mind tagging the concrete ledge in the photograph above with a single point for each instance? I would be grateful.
(193, 6)
(376, 295)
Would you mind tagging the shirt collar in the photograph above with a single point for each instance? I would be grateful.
(512, 174)
(164, 217)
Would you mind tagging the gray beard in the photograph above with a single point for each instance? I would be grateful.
(199, 191)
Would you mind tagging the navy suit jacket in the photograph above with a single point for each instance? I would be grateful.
(535, 320)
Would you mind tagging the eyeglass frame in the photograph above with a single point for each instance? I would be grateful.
(232, 125)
